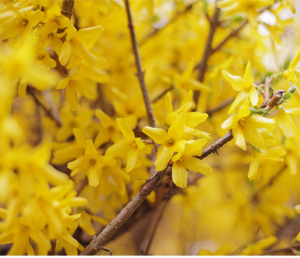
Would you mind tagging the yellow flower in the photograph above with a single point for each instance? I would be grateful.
(271, 154)
(184, 82)
(246, 127)
(91, 164)
(185, 160)
(70, 121)
(245, 86)
(109, 130)
(129, 147)
(249, 7)
(170, 141)
(258, 247)
(285, 121)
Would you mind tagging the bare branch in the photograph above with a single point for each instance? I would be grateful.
(138, 63)
(67, 8)
(289, 249)
(41, 105)
(155, 227)
(106, 234)
(220, 107)
(175, 18)
(208, 48)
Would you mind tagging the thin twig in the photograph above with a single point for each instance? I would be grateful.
(175, 18)
(288, 249)
(232, 34)
(67, 8)
(220, 107)
(162, 94)
(106, 234)
(216, 145)
(208, 48)
(268, 184)
(40, 104)
(155, 227)
(138, 63)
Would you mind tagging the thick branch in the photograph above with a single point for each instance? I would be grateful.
(106, 234)
(67, 8)
(208, 49)
(124, 214)
(138, 63)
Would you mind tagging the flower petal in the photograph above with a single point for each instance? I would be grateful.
(157, 134)
(125, 129)
(179, 175)
(164, 155)
(196, 165)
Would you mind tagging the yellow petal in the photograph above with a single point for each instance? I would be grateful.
(295, 61)
(131, 159)
(179, 175)
(237, 82)
(65, 53)
(194, 148)
(157, 134)
(125, 129)
(253, 96)
(90, 35)
(119, 149)
(253, 168)
(176, 129)
(196, 165)
(286, 124)
(164, 155)
(239, 138)
(195, 118)
(71, 97)
(237, 103)
(248, 76)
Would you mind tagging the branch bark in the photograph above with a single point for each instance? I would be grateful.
(175, 18)
(208, 49)
(67, 8)
(138, 63)
(105, 235)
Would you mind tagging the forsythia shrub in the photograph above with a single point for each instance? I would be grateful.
(149, 127)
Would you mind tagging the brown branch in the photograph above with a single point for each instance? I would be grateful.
(220, 107)
(269, 183)
(124, 214)
(67, 8)
(41, 105)
(175, 18)
(208, 48)
(105, 235)
(138, 63)
(155, 227)
(289, 249)
(232, 34)
(216, 145)
(162, 94)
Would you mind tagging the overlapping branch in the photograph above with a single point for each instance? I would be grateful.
(138, 63)
(95, 245)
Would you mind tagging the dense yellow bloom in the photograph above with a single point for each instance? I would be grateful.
(129, 147)
(271, 154)
(91, 164)
(248, 7)
(246, 127)
(245, 86)
(170, 141)
(185, 160)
